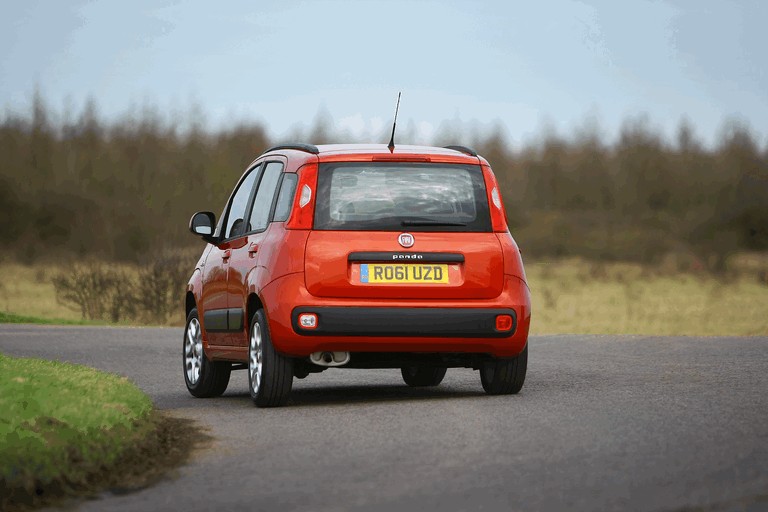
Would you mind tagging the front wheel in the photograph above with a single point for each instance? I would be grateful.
(270, 374)
(421, 376)
(204, 378)
(505, 376)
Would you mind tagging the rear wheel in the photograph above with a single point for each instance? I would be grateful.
(420, 376)
(504, 376)
(270, 374)
(204, 378)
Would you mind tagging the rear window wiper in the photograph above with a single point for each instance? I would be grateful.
(431, 223)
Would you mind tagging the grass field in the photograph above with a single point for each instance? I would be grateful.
(27, 291)
(569, 296)
(579, 297)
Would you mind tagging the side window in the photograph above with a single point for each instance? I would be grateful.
(285, 198)
(235, 225)
(262, 204)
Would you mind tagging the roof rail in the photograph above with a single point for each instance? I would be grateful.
(463, 149)
(307, 148)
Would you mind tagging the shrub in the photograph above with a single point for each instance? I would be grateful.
(161, 285)
(100, 292)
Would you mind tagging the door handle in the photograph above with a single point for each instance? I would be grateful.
(226, 255)
(253, 248)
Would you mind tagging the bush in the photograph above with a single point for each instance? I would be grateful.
(100, 292)
(109, 292)
(161, 285)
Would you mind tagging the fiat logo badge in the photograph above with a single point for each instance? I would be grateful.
(406, 239)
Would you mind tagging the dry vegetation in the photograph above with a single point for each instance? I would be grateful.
(569, 296)
(151, 292)
(606, 216)
(80, 186)
(576, 296)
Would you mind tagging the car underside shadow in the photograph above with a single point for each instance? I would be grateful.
(345, 394)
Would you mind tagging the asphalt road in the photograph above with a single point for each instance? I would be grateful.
(603, 423)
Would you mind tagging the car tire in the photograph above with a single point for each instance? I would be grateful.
(204, 378)
(504, 376)
(270, 374)
(422, 376)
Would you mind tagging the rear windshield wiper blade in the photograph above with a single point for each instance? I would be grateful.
(431, 223)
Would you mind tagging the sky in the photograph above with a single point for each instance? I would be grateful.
(463, 67)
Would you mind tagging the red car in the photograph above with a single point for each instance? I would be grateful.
(357, 256)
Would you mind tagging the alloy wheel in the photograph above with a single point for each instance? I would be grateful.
(256, 358)
(193, 351)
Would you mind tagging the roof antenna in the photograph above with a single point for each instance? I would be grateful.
(391, 144)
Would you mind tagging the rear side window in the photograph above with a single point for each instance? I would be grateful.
(381, 196)
(285, 198)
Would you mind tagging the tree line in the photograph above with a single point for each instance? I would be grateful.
(82, 186)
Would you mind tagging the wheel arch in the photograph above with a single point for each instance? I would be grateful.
(252, 305)
(190, 303)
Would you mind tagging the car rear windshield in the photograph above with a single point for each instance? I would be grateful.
(382, 196)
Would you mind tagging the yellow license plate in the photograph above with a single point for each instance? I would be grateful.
(389, 273)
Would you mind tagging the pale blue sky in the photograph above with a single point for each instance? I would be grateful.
(524, 65)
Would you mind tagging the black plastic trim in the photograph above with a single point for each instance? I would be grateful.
(463, 149)
(215, 320)
(406, 257)
(223, 320)
(307, 148)
(414, 322)
(235, 319)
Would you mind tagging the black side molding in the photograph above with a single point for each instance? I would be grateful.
(307, 148)
(406, 257)
(463, 149)
(223, 320)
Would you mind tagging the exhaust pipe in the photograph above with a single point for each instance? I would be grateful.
(330, 359)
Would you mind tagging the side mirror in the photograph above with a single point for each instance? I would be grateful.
(203, 225)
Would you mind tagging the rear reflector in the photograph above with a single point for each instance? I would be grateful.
(309, 321)
(503, 322)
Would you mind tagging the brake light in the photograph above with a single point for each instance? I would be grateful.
(400, 158)
(496, 205)
(303, 211)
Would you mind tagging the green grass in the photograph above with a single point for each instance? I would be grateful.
(61, 423)
(11, 318)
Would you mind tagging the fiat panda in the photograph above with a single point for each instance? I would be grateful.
(357, 256)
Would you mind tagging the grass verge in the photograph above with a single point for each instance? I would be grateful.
(68, 430)
(11, 318)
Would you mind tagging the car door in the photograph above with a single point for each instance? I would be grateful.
(244, 257)
(216, 318)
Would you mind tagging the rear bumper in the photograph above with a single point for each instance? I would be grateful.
(402, 325)
(412, 322)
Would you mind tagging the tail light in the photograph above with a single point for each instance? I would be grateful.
(303, 211)
(495, 203)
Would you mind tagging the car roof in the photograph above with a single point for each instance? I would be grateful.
(368, 152)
